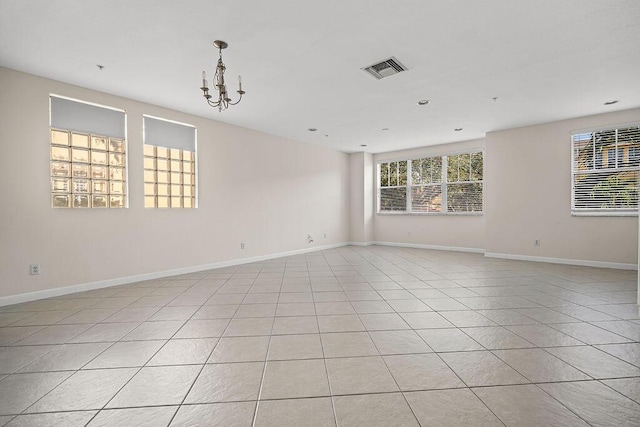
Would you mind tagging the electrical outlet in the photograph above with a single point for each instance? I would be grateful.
(536, 242)
(310, 238)
(34, 269)
(241, 245)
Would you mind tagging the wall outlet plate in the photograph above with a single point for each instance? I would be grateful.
(34, 269)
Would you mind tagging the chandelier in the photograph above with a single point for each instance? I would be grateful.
(224, 100)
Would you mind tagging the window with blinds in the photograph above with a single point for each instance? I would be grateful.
(605, 167)
(169, 164)
(444, 184)
(88, 155)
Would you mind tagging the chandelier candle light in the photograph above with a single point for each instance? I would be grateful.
(223, 101)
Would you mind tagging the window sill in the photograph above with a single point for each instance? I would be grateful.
(604, 213)
(430, 213)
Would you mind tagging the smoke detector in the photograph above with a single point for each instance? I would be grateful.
(385, 68)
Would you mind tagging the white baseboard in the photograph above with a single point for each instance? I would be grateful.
(361, 243)
(433, 247)
(55, 292)
(567, 261)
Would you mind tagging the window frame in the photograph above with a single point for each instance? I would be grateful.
(443, 183)
(600, 212)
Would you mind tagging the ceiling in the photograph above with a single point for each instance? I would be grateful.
(301, 61)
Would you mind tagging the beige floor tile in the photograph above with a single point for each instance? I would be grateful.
(340, 323)
(506, 317)
(314, 412)
(595, 363)
(216, 312)
(346, 344)
(162, 330)
(210, 328)
(425, 320)
(134, 417)
(19, 391)
(162, 385)
(408, 306)
(295, 297)
(105, 332)
(84, 390)
(450, 339)
(174, 313)
(255, 310)
(43, 318)
(543, 335)
(590, 334)
(56, 334)
(215, 415)
(526, 405)
(132, 314)
(450, 408)
(66, 357)
(539, 366)
(328, 296)
(546, 315)
(14, 358)
(399, 342)
(330, 308)
(295, 325)
(373, 410)
(91, 315)
(288, 347)
(481, 368)
(466, 318)
(628, 352)
(294, 378)
(357, 375)
(126, 354)
(10, 334)
(421, 372)
(496, 337)
(629, 387)
(66, 419)
(184, 352)
(383, 322)
(227, 382)
(240, 349)
(249, 327)
(595, 403)
(295, 309)
(625, 328)
(444, 304)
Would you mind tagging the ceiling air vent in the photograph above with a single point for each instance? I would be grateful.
(386, 68)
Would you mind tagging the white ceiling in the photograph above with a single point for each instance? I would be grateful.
(300, 61)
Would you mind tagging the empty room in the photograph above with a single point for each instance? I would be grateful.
(337, 213)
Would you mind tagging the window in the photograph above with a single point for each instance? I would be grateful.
(443, 184)
(169, 164)
(605, 168)
(88, 155)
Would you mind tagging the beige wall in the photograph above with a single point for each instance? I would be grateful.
(448, 231)
(362, 197)
(528, 196)
(265, 191)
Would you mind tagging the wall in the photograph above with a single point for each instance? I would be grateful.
(265, 191)
(462, 232)
(528, 196)
(362, 197)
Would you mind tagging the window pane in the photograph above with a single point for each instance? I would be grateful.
(604, 141)
(452, 168)
(116, 201)
(99, 172)
(465, 197)
(606, 190)
(477, 167)
(59, 137)
(99, 201)
(436, 169)
(629, 147)
(60, 201)
(384, 174)
(149, 176)
(176, 154)
(80, 171)
(80, 140)
(80, 185)
(393, 199)
(116, 145)
(81, 201)
(100, 187)
(98, 143)
(464, 167)
(98, 157)
(116, 174)
(60, 185)
(402, 176)
(163, 202)
(149, 163)
(426, 198)
(583, 151)
(60, 168)
(162, 152)
(163, 177)
(149, 201)
(60, 153)
(116, 159)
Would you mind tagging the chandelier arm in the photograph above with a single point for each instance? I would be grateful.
(237, 102)
(213, 104)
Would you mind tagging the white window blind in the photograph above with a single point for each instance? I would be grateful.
(164, 133)
(443, 184)
(605, 168)
(87, 118)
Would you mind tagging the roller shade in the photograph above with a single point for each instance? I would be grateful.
(78, 116)
(168, 134)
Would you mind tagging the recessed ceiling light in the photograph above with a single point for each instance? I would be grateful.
(423, 102)
(363, 145)
(457, 129)
(384, 129)
(312, 129)
(495, 98)
(611, 102)
(100, 67)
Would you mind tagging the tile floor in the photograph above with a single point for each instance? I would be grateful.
(353, 336)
